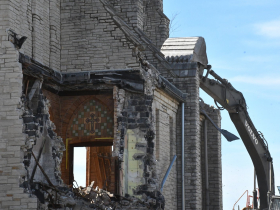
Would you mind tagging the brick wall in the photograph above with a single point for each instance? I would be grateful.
(132, 12)
(135, 143)
(214, 160)
(41, 34)
(145, 15)
(54, 14)
(156, 23)
(28, 18)
(164, 110)
(192, 150)
(11, 136)
(91, 40)
(39, 21)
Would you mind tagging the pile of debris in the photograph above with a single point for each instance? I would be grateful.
(103, 200)
(88, 198)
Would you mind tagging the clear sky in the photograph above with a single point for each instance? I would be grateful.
(243, 46)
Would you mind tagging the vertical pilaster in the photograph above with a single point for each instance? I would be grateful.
(192, 150)
(41, 31)
(213, 158)
(215, 161)
(54, 20)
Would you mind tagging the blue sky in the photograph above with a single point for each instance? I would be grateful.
(243, 46)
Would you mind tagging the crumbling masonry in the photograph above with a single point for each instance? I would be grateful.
(103, 74)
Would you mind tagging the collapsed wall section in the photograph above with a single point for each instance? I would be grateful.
(139, 129)
(136, 146)
(43, 147)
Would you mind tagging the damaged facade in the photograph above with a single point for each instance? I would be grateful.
(103, 74)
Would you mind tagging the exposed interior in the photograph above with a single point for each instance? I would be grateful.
(98, 165)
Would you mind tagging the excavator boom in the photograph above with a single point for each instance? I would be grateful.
(234, 102)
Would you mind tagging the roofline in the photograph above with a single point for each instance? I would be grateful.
(128, 79)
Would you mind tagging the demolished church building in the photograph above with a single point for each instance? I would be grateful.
(103, 74)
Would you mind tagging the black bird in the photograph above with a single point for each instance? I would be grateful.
(18, 42)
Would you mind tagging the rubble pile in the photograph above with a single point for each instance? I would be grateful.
(103, 200)
(88, 198)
